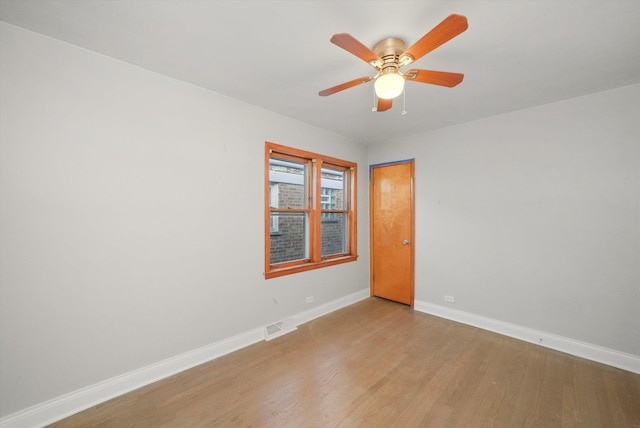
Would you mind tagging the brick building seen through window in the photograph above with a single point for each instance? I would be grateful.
(287, 239)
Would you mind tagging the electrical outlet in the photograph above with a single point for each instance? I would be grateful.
(309, 299)
(449, 299)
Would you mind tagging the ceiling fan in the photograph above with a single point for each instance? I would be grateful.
(390, 54)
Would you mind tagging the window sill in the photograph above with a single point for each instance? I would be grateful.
(276, 272)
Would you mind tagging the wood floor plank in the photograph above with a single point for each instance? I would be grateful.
(382, 364)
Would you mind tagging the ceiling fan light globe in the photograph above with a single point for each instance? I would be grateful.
(389, 86)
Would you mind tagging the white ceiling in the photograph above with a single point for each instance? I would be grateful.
(277, 55)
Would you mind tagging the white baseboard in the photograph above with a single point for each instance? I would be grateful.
(69, 404)
(58, 408)
(596, 353)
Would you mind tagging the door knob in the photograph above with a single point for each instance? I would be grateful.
(405, 242)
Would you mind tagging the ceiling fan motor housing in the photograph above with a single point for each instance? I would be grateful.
(389, 50)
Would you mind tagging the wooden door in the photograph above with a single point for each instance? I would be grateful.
(392, 231)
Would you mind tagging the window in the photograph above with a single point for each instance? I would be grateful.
(310, 211)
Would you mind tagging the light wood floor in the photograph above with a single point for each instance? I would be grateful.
(381, 364)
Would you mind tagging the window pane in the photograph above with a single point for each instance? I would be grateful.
(328, 202)
(334, 235)
(273, 203)
(291, 242)
(290, 177)
(333, 189)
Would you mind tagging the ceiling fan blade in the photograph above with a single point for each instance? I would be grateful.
(343, 86)
(441, 78)
(352, 45)
(384, 104)
(450, 27)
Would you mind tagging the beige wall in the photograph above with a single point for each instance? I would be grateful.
(533, 217)
(117, 185)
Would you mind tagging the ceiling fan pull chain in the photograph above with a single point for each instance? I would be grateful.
(404, 102)
(375, 105)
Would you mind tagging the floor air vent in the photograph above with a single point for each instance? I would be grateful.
(279, 328)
